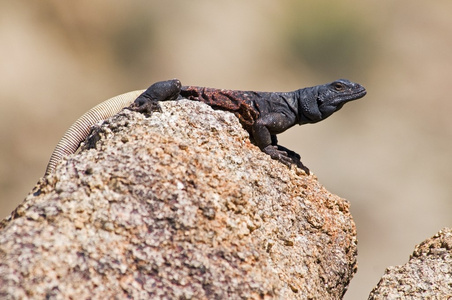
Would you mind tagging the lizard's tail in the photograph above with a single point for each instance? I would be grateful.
(77, 133)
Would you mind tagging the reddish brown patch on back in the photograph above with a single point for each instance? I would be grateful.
(238, 102)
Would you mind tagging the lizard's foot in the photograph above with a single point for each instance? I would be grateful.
(296, 159)
(145, 105)
(278, 154)
(92, 138)
(286, 156)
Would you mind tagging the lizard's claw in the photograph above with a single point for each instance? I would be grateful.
(278, 154)
(285, 156)
(145, 105)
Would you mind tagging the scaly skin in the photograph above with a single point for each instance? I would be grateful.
(262, 114)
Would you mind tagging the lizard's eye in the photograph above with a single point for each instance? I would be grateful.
(338, 86)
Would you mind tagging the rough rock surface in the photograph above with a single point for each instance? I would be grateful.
(179, 205)
(427, 275)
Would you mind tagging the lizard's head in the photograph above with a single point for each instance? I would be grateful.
(331, 97)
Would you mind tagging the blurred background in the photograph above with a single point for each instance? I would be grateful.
(389, 153)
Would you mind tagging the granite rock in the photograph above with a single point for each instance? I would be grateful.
(178, 205)
(427, 274)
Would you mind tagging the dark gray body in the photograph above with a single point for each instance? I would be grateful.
(262, 114)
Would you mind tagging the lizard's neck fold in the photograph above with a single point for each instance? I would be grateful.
(308, 110)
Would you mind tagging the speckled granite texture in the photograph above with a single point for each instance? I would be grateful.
(179, 205)
(427, 275)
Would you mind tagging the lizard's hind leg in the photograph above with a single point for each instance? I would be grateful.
(147, 102)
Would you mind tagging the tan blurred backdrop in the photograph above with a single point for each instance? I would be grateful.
(389, 154)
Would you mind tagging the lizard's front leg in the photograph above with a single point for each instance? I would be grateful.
(264, 130)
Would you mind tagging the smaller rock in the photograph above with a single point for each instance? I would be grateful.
(427, 275)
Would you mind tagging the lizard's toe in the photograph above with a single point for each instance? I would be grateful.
(278, 154)
(145, 105)
(284, 157)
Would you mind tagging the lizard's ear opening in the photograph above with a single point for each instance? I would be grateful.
(319, 101)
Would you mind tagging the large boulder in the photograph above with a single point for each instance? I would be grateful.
(177, 205)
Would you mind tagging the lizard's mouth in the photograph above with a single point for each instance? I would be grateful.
(350, 97)
(361, 93)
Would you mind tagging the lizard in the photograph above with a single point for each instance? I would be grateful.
(262, 114)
